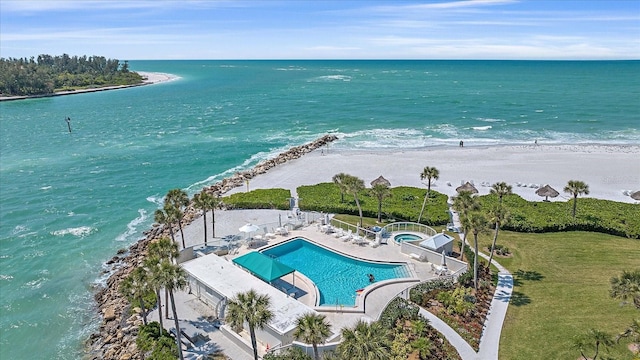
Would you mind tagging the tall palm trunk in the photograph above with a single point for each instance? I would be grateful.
(495, 238)
(575, 203)
(143, 309)
(359, 209)
(316, 356)
(475, 262)
(213, 222)
(204, 217)
(175, 319)
(181, 233)
(166, 301)
(464, 240)
(380, 211)
(254, 343)
(424, 202)
(159, 310)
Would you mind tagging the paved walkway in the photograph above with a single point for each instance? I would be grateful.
(490, 340)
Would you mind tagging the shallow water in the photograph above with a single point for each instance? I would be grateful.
(69, 201)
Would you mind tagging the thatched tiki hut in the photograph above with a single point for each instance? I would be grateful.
(547, 191)
(467, 187)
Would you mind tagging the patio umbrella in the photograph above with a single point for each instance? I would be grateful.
(444, 258)
(249, 228)
(467, 187)
(547, 191)
(380, 180)
(635, 195)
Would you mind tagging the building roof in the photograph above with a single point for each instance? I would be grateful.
(228, 279)
(263, 266)
(436, 241)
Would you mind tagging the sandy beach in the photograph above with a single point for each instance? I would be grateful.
(609, 170)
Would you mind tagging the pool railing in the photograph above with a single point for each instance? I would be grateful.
(409, 226)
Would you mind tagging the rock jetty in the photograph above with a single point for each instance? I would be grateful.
(115, 338)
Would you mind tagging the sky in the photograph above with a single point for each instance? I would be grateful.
(319, 29)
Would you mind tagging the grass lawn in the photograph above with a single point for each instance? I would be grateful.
(562, 291)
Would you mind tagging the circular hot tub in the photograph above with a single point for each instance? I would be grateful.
(398, 238)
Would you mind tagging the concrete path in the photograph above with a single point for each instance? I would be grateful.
(490, 340)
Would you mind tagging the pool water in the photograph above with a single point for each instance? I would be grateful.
(336, 276)
(406, 237)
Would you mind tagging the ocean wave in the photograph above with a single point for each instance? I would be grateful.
(5, 277)
(132, 226)
(81, 231)
(481, 128)
(491, 120)
(46, 187)
(323, 78)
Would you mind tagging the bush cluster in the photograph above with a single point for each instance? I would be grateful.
(595, 215)
(404, 204)
(259, 199)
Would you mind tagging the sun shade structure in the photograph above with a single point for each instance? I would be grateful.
(467, 187)
(635, 195)
(380, 180)
(249, 228)
(547, 191)
(263, 266)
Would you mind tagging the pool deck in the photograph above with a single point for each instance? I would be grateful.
(192, 310)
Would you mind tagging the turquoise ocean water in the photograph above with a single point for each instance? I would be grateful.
(68, 202)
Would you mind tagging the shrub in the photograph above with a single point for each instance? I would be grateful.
(259, 199)
(398, 309)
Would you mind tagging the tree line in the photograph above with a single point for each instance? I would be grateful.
(47, 74)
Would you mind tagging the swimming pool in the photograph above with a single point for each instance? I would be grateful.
(336, 276)
(406, 237)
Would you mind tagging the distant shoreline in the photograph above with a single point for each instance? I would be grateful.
(148, 79)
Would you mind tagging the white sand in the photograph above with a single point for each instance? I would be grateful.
(156, 77)
(608, 170)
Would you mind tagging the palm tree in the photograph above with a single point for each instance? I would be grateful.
(253, 309)
(178, 200)
(477, 223)
(632, 332)
(463, 204)
(593, 339)
(204, 201)
(380, 191)
(501, 189)
(172, 277)
(175, 215)
(154, 280)
(365, 341)
(135, 287)
(575, 188)
(354, 185)
(497, 215)
(312, 329)
(627, 286)
(163, 218)
(215, 202)
(339, 179)
(428, 173)
(164, 249)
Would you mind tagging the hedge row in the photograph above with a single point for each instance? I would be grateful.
(259, 199)
(604, 216)
(404, 204)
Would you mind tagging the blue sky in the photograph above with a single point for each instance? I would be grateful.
(281, 29)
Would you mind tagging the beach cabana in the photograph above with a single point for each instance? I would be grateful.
(467, 187)
(635, 195)
(263, 266)
(440, 243)
(547, 191)
(381, 180)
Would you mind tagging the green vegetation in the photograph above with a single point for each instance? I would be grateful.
(404, 204)
(259, 199)
(48, 74)
(561, 290)
(158, 345)
(250, 308)
(603, 216)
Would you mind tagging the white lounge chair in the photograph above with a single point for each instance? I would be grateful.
(346, 237)
(358, 240)
(338, 233)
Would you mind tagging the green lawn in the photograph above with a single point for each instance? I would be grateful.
(563, 291)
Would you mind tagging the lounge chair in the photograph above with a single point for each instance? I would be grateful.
(338, 233)
(358, 240)
(346, 237)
